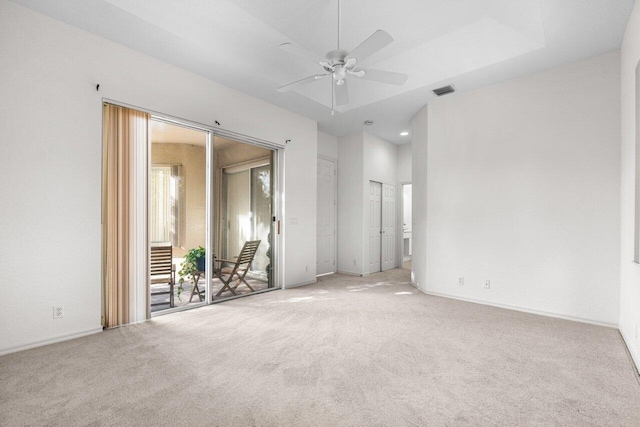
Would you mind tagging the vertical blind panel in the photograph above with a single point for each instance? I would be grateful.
(123, 130)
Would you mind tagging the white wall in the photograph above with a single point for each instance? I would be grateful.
(630, 271)
(327, 145)
(522, 188)
(404, 163)
(380, 161)
(51, 136)
(350, 207)
(419, 181)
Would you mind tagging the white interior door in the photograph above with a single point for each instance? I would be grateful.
(375, 229)
(407, 222)
(326, 238)
(388, 227)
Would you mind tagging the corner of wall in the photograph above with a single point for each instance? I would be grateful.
(350, 191)
(629, 321)
(419, 152)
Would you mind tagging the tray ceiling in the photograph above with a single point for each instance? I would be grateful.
(467, 43)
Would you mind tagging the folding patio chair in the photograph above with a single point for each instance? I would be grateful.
(238, 270)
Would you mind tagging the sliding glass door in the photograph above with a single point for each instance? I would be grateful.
(178, 212)
(211, 217)
(189, 218)
(246, 219)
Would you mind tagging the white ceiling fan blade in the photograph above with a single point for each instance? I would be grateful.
(350, 62)
(342, 93)
(301, 52)
(374, 43)
(357, 72)
(388, 77)
(301, 82)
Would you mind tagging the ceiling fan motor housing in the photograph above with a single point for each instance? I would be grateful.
(336, 56)
(338, 67)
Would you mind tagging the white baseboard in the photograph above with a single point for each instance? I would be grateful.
(524, 310)
(349, 273)
(632, 351)
(310, 282)
(54, 340)
(325, 274)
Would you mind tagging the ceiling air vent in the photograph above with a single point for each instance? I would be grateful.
(444, 90)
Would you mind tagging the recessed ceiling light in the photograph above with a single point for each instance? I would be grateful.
(404, 133)
(368, 122)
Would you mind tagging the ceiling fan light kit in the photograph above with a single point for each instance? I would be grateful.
(340, 64)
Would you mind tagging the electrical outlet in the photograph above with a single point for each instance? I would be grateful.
(354, 262)
(460, 280)
(306, 268)
(58, 312)
(487, 284)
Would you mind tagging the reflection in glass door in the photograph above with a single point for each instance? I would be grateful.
(245, 219)
(262, 210)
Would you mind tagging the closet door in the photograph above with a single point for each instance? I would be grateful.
(375, 226)
(326, 234)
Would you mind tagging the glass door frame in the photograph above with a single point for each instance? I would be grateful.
(276, 243)
(277, 239)
(208, 206)
(277, 194)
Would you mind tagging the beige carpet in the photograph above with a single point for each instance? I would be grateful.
(346, 351)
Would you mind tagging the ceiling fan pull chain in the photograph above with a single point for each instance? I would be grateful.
(333, 88)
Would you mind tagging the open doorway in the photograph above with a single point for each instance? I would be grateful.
(407, 222)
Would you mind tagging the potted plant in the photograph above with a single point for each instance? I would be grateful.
(194, 261)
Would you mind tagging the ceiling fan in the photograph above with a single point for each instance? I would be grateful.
(341, 64)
